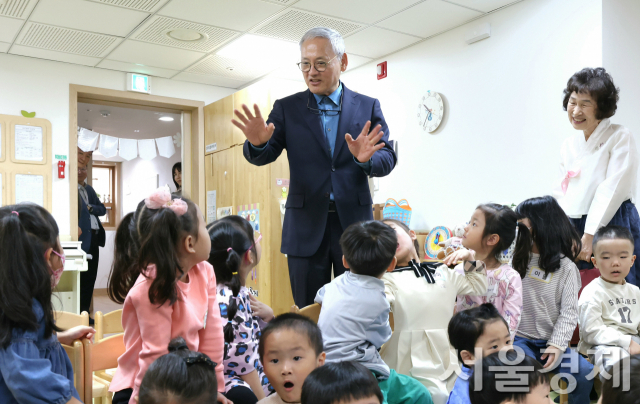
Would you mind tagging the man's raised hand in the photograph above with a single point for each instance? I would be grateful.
(365, 144)
(254, 127)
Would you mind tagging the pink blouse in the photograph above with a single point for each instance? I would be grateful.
(195, 316)
(504, 291)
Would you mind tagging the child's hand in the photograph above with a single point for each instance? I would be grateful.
(222, 399)
(79, 332)
(634, 348)
(554, 355)
(460, 255)
(260, 309)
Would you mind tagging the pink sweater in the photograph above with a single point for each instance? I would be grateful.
(195, 316)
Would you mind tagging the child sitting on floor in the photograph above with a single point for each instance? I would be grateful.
(509, 378)
(355, 313)
(609, 307)
(290, 348)
(341, 383)
(181, 376)
(478, 331)
(422, 297)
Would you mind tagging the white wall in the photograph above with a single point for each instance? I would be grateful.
(43, 86)
(501, 137)
(621, 58)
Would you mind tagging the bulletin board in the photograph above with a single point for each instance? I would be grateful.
(26, 160)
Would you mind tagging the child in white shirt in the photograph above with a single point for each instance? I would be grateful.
(609, 307)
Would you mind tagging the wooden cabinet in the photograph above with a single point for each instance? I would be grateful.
(237, 183)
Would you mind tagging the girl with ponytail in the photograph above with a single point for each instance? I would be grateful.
(161, 275)
(234, 253)
(34, 367)
(493, 229)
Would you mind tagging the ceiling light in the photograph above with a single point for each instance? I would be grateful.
(186, 35)
(256, 47)
(105, 113)
(136, 130)
(166, 118)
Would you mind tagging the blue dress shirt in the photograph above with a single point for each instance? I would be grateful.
(329, 125)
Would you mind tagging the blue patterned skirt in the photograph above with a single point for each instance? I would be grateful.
(626, 216)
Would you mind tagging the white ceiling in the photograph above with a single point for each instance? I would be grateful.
(129, 35)
(124, 122)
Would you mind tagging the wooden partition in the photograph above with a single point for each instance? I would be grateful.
(239, 183)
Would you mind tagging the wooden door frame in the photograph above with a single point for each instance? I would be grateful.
(192, 139)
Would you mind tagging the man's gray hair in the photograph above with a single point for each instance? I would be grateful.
(337, 43)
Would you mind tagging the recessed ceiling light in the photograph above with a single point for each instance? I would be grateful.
(256, 47)
(105, 113)
(186, 35)
(136, 130)
(166, 118)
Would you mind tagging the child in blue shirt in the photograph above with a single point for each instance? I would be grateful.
(477, 331)
(354, 318)
(34, 368)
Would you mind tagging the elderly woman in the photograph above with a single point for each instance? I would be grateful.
(599, 165)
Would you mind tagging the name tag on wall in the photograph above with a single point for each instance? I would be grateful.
(538, 274)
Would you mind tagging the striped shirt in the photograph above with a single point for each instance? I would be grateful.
(550, 304)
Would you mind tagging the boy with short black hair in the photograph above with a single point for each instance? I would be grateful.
(617, 390)
(290, 348)
(341, 383)
(355, 313)
(609, 307)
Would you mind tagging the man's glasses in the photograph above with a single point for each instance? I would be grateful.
(320, 66)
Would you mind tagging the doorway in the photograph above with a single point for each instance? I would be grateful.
(124, 177)
(192, 120)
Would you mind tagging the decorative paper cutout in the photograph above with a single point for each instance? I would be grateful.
(87, 140)
(147, 149)
(128, 149)
(108, 146)
(165, 146)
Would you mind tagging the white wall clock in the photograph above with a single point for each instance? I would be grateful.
(430, 111)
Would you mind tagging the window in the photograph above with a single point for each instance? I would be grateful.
(104, 183)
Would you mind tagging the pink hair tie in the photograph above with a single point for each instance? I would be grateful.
(229, 249)
(161, 198)
(17, 214)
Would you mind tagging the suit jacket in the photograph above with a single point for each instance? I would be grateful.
(84, 220)
(315, 174)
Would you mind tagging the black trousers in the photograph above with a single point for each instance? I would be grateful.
(122, 396)
(88, 278)
(309, 274)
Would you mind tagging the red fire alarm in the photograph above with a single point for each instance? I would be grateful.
(61, 169)
(382, 70)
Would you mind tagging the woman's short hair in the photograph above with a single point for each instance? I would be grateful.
(597, 83)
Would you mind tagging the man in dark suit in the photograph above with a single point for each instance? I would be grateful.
(92, 237)
(329, 189)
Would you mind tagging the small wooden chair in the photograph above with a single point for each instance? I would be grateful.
(66, 320)
(110, 323)
(75, 352)
(313, 312)
(102, 355)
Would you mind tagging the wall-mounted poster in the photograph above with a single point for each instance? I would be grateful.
(28, 143)
(29, 188)
(224, 211)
